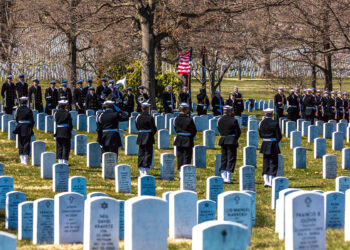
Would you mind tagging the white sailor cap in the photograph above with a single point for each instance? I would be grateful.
(268, 111)
(235, 87)
(227, 107)
(63, 102)
(184, 87)
(145, 104)
(109, 102)
(23, 99)
(280, 88)
(184, 105)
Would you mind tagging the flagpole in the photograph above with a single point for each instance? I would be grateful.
(189, 76)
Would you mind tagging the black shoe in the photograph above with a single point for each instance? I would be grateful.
(266, 186)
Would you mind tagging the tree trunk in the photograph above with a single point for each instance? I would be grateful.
(8, 66)
(266, 63)
(239, 70)
(158, 58)
(72, 64)
(313, 76)
(328, 75)
(147, 59)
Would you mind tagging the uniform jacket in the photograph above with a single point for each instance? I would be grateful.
(91, 101)
(25, 121)
(51, 97)
(63, 118)
(145, 122)
(269, 128)
(280, 101)
(65, 95)
(217, 103)
(109, 120)
(22, 89)
(183, 123)
(8, 91)
(238, 106)
(79, 97)
(168, 101)
(35, 95)
(202, 100)
(229, 130)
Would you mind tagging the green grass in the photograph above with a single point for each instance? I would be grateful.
(27, 179)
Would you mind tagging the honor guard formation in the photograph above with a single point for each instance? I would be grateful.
(111, 105)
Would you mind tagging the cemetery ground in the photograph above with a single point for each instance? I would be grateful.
(27, 178)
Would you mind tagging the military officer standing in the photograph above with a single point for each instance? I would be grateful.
(145, 139)
(339, 106)
(280, 102)
(293, 106)
(309, 106)
(217, 102)
(140, 98)
(169, 100)
(129, 102)
(230, 132)
(65, 93)
(63, 133)
(24, 130)
(186, 131)
(91, 100)
(346, 106)
(202, 102)
(107, 128)
(8, 93)
(238, 106)
(21, 87)
(270, 132)
(103, 92)
(51, 97)
(185, 96)
(79, 98)
(118, 96)
(35, 96)
(86, 89)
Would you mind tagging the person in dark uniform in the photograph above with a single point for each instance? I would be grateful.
(299, 97)
(51, 97)
(24, 129)
(103, 92)
(186, 131)
(238, 105)
(21, 87)
(280, 101)
(309, 106)
(293, 106)
(339, 106)
(318, 99)
(217, 102)
(65, 93)
(145, 139)
(140, 98)
(324, 106)
(185, 96)
(86, 89)
(78, 97)
(270, 132)
(169, 100)
(8, 93)
(332, 102)
(63, 133)
(107, 128)
(129, 101)
(231, 100)
(346, 106)
(202, 102)
(118, 96)
(91, 100)
(230, 132)
(35, 96)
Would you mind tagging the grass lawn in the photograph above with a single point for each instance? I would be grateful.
(27, 178)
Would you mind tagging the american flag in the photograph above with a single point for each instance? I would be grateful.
(184, 67)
